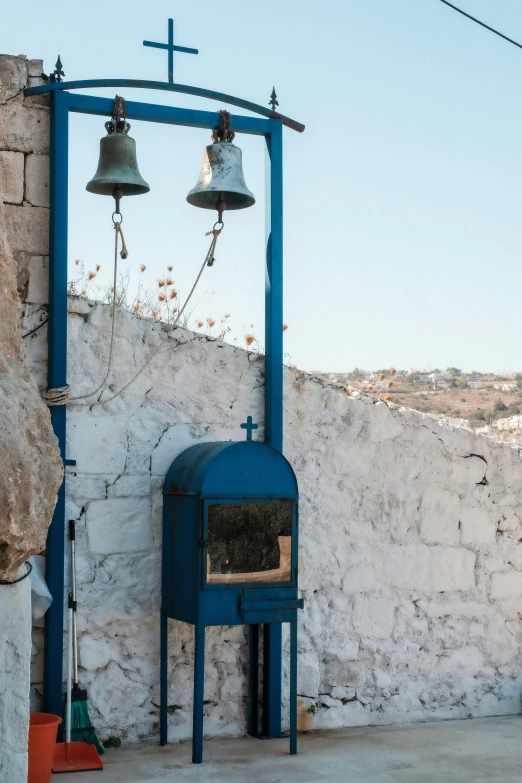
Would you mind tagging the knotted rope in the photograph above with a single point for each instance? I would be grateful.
(60, 396)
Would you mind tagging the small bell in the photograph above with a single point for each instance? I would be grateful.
(221, 184)
(118, 174)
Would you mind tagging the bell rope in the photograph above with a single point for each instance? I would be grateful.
(209, 261)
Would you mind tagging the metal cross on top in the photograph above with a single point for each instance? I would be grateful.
(249, 427)
(171, 49)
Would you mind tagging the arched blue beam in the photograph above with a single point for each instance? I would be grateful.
(184, 88)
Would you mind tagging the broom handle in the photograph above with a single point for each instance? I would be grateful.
(69, 672)
(72, 537)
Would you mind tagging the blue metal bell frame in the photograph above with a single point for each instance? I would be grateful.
(270, 127)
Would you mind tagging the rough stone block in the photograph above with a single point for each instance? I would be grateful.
(129, 485)
(35, 67)
(429, 568)
(97, 443)
(468, 470)
(11, 177)
(24, 128)
(440, 517)
(360, 579)
(477, 527)
(38, 284)
(37, 180)
(13, 76)
(175, 440)
(95, 652)
(506, 585)
(373, 616)
(119, 525)
(27, 229)
(383, 423)
(510, 520)
(309, 674)
(465, 662)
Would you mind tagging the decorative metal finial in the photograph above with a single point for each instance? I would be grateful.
(273, 102)
(249, 427)
(171, 49)
(57, 74)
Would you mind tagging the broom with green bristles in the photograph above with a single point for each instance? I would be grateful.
(82, 729)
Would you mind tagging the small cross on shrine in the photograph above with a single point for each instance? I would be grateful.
(171, 49)
(249, 427)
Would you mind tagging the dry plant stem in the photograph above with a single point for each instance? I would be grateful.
(209, 255)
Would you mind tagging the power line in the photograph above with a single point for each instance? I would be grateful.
(481, 23)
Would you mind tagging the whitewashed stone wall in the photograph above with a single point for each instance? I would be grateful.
(15, 656)
(410, 553)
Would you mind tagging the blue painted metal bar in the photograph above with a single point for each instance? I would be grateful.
(253, 680)
(57, 377)
(273, 656)
(272, 676)
(183, 88)
(274, 289)
(199, 690)
(293, 687)
(150, 112)
(164, 676)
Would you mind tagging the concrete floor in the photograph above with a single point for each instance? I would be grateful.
(485, 749)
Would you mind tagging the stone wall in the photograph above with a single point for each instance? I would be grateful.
(410, 556)
(31, 467)
(24, 172)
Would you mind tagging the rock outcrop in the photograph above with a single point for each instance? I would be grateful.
(31, 468)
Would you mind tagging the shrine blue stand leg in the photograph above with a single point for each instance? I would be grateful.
(164, 677)
(199, 690)
(272, 679)
(253, 680)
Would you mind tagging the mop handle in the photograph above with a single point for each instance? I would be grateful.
(72, 538)
(69, 673)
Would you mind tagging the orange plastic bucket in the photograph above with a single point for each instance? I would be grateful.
(43, 729)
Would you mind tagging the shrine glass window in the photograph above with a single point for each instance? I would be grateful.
(249, 542)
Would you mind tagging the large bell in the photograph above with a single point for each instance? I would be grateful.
(221, 183)
(117, 167)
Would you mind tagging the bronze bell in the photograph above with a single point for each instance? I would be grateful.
(118, 174)
(221, 184)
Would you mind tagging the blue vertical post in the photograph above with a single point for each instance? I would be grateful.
(272, 645)
(57, 376)
(293, 687)
(253, 680)
(199, 690)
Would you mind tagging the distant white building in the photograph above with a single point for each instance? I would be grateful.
(440, 377)
(506, 387)
(475, 382)
(509, 423)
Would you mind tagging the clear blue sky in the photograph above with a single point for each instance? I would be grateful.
(403, 198)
